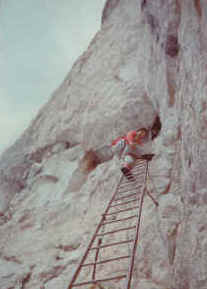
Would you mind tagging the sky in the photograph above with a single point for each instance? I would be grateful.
(39, 42)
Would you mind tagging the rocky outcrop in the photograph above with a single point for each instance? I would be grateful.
(144, 68)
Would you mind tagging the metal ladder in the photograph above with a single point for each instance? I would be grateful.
(125, 207)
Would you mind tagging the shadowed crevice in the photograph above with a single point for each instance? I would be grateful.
(197, 4)
(172, 45)
(156, 127)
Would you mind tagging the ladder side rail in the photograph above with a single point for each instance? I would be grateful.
(112, 244)
(124, 203)
(131, 266)
(116, 231)
(107, 261)
(100, 280)
(96, 258)
(94, 237)
(121, 220)
(125, 197)
(124, 192)
(121, 211)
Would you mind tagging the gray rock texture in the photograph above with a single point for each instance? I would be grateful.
(148, 60)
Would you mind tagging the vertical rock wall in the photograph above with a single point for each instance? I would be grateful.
(149, 59)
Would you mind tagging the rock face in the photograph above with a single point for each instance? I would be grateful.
(148, 62)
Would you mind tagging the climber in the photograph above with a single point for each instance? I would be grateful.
(128, 148)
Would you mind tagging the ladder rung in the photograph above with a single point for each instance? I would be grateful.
(116, 231)
(100, 280)
(120, 211)
(139, 165)
(140, 169)
(137, 175)
(122, 193)
(106, 261)
(112, 244)
(120, 220)
(125, 203)
(140, 161)
(127, 188)
(127, 184)
(128, 196)
(126, 191)
(137, 171)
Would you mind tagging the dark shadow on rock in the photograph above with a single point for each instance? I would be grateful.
(87, 164)
(156, 127)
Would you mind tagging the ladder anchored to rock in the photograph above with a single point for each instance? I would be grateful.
(121, 219)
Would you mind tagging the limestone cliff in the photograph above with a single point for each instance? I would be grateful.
(147, 63)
